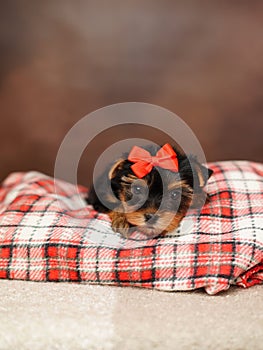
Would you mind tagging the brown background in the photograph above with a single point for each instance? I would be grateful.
(63, 59)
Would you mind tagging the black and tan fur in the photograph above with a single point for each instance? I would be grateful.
(160, 200)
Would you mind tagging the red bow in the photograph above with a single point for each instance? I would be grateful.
(144, 162)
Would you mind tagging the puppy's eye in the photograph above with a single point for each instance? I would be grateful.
(174, 194)
(137, 189)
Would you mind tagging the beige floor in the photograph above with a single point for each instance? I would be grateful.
(71, 316)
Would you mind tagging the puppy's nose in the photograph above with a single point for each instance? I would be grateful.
(150, 216)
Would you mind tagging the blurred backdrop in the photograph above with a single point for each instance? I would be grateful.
(60, 60)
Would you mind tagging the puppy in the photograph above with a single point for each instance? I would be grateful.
(150, 190)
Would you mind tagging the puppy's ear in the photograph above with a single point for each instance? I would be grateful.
(102, 199)
(94, 200)
(200, 173)
(194, 172)
(115, 168)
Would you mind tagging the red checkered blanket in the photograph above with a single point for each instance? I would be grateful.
(49, 234)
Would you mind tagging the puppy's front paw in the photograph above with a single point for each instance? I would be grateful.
(120, 224)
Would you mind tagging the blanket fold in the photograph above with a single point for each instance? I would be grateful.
(48, 233)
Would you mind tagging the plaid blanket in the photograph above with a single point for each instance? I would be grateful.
(50, 234)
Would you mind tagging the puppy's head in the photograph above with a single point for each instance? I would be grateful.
(156, 202)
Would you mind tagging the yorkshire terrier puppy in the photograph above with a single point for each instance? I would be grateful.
(150, 190)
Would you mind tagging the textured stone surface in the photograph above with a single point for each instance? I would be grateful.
(71, 316)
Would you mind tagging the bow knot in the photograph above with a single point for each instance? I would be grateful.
(165, 158)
